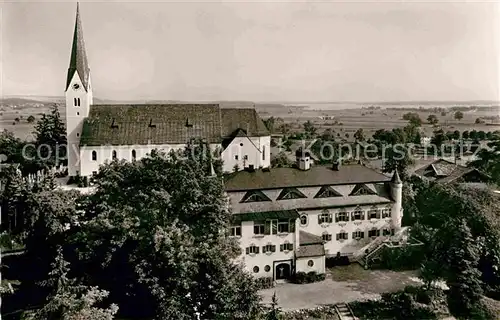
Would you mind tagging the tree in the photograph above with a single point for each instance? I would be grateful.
(273, 123)
(309, 129)
(161, 252)
(465, 134)
(439, 138)
(432, 119)
(412, 134)
(479, 121)
(281, 160)
(459, 228)
(398, 157)
(456, 135)
(328, 135)
(285, 128)
(413, 118)
(458, 115)
(30, 119)
(275, 312)
(473, 135)
(50, 132)
(488, 160)
(359, 135)
(70, 300)
(443, 114)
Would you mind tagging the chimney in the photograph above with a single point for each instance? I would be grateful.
(303, 159)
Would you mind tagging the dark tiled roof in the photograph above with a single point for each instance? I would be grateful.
(293, 177)
(312, 250)
(445, 171)
(78, 61)
(245, 119)
(259, 216)
(173, 124)
(309, 238)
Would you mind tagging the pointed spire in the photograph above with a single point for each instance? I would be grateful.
(395, 178)
(212, 170)
(78, 61)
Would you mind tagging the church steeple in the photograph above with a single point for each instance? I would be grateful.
(78, 61)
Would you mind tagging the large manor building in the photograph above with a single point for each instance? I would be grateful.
(100, 133)
(290, 219)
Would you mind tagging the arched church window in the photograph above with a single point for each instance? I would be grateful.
(94, 155)
(113, 155)
(133, 155)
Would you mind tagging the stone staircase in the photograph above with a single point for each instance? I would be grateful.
(344, 311)
(371, 252)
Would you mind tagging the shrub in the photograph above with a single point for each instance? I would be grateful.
(309, 277)
(265, 283)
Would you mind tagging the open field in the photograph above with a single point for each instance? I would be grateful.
(348, 118)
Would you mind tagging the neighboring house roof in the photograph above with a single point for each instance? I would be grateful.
(151, 124)
(260, 216)
(292, 177)
(78, 61)
(445, 171)
(312, 250)
(309, 238)
(246, 119)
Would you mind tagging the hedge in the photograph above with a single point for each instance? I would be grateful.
(309, 277)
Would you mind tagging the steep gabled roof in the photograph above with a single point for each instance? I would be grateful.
(246, 119)
(154, 124)
(78, 61)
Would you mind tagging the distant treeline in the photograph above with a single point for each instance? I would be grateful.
(447, 109)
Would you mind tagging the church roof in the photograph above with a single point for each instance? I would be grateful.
(78, 61)
(151, 124)
(245, 119)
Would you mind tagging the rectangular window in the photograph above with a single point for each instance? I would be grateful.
(373, 214)
(235, 231)
(264, 153)
(373, 233)
(245, 157)
(258, 228)
(286, 247)
(326, 237)
(358, 215)
(341, 216)
(386, 232)
(236, 157)
(342, 236)
(283, 226)
(386, 213)
(358, 235)
(325, 218)
(268, 248)
(252, 250)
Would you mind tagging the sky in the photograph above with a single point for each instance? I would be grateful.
(257, 51)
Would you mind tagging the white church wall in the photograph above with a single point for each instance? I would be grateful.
(246, 151)
(105, 154)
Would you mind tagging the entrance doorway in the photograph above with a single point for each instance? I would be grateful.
(282, 271)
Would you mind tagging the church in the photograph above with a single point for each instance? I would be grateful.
(100, 133)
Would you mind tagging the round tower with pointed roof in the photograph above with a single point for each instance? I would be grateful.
(397, 196)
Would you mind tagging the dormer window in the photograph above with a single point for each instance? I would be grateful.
(327, 192)
(255, 196)
(361, 190)
(290, 193)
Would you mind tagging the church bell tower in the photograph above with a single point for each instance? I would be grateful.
(78, 93)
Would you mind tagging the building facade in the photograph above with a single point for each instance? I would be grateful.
(289, 219)
(100, 133)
